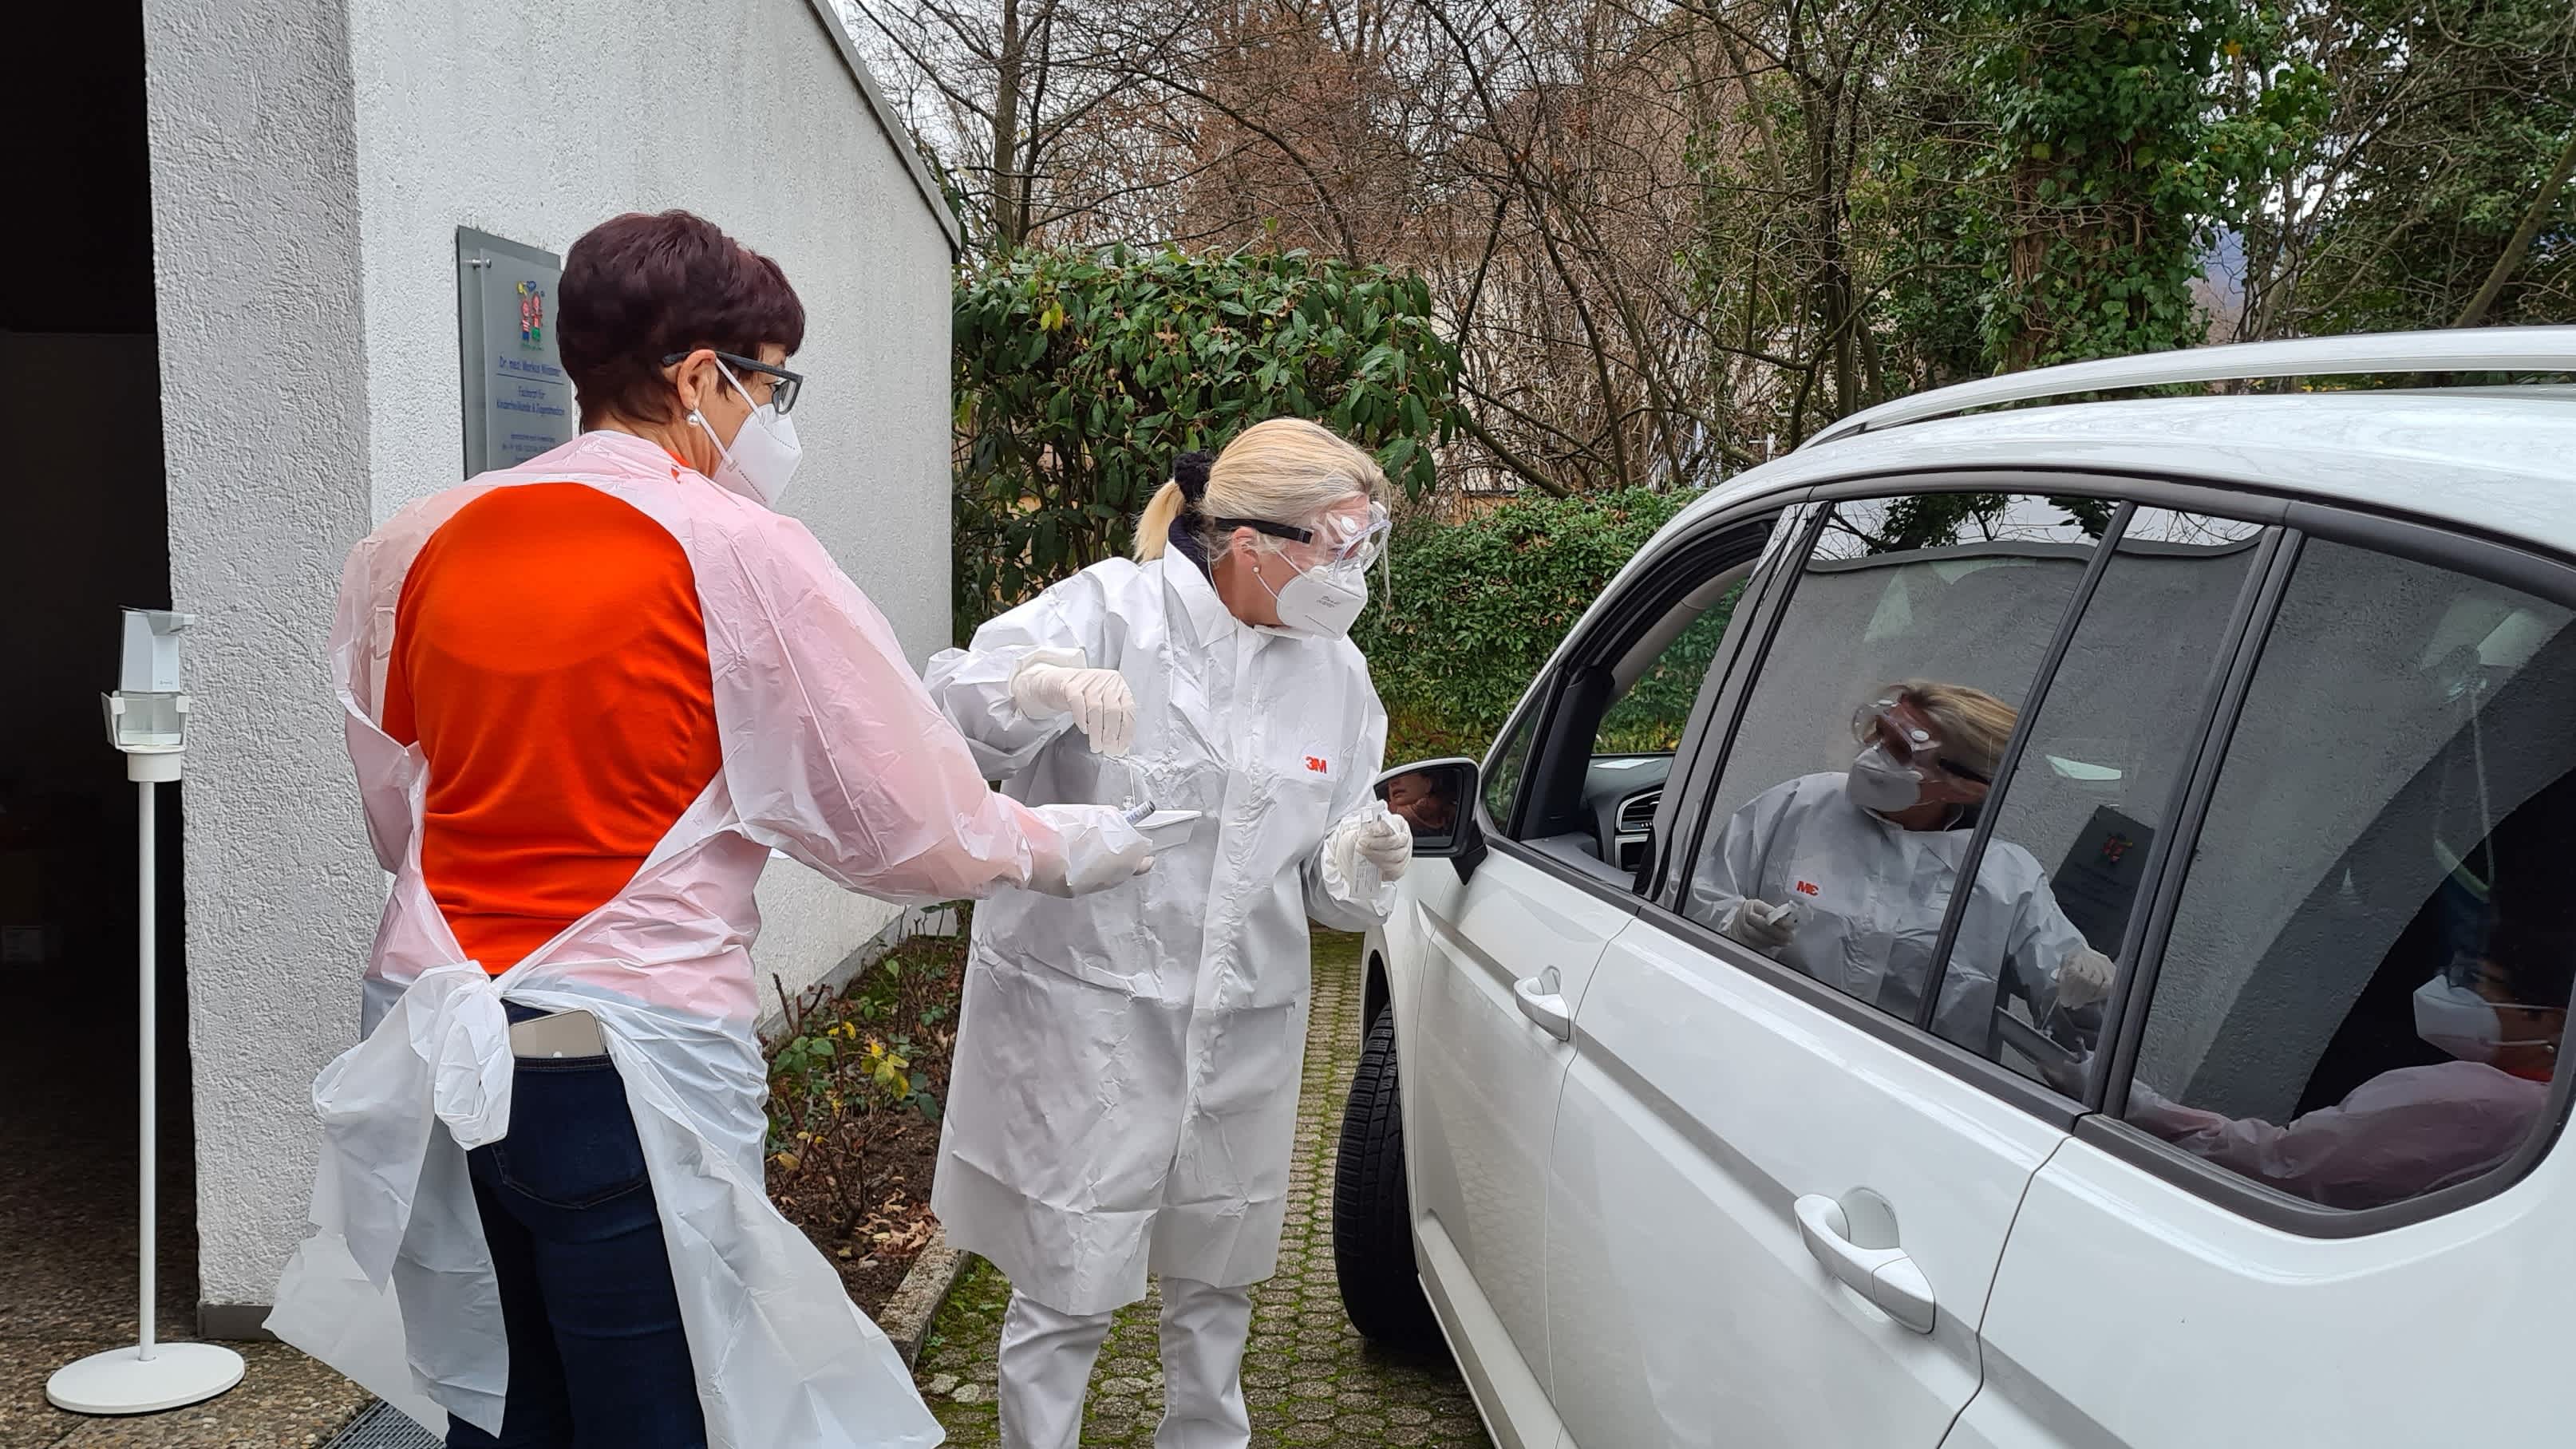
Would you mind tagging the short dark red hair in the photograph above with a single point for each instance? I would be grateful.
(640, 287)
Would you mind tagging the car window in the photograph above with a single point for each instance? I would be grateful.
(2362, 993)
(1625, 700)
(1505, 765)
(2029, 973)
(1871, 734)
(1648, 719)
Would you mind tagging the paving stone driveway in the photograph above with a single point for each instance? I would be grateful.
(1309, 1378)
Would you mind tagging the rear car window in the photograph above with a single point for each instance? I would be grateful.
(2363, 993)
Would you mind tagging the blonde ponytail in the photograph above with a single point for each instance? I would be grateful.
(1154, 530)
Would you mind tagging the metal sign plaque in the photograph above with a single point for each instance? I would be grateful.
(518, 402)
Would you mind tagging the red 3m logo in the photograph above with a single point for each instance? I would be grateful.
(1316, 763)
(1809, 888)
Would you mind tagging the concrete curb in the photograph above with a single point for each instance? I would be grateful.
(915, 1306)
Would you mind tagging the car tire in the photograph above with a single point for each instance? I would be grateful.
(1372, 1213)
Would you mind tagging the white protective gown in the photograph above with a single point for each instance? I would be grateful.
(1873, 895)
(830, 752)
(1125, 1090)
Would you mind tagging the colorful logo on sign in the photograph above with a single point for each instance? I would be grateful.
(2114, 847)
(532, 316)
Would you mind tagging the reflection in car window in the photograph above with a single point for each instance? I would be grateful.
(2089, 798)
(1871, 737)
(2367, 979)
(1503, 775)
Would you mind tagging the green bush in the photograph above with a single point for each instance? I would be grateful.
(1081, 374)
(1479, 606)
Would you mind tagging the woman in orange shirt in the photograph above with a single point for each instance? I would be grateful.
(586, 699)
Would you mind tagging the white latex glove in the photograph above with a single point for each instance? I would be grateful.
(1762, 925)
(2084, 978)
(1362, 837)
(1386, 842)
(1102, 705)
(1096, 849)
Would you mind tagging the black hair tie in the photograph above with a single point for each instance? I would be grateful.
(1190, 470)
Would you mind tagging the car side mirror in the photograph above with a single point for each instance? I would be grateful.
(1438, 799)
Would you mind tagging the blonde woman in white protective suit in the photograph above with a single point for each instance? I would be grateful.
(1125, 1094)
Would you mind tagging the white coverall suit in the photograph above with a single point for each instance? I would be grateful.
(1125, 1089)
(1872, 896)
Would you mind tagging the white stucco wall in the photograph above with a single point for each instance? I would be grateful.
(255, 228)
(402, 121)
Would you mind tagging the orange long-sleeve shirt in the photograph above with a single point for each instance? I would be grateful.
(550, 659)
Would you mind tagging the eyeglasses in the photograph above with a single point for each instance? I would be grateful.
(783, 384)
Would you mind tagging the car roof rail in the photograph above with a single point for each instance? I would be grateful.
(2476, 349)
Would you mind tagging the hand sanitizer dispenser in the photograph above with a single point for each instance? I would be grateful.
(147, 716)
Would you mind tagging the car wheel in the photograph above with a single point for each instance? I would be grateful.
(1372, 1216)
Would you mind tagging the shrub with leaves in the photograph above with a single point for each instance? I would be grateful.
(838, 1085)
(1479, 606)
(1081, 374)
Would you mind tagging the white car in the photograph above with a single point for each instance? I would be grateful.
(2290, 690)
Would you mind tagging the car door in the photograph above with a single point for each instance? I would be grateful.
(1777, 1197)
(2312, 1209)
(1512, 945)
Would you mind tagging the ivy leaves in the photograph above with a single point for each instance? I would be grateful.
(2113, 164)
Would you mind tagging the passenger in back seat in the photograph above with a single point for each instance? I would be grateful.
(2417, 1129)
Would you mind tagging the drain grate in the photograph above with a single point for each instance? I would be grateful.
(382, 1426)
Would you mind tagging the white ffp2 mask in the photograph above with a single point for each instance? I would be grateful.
(2458, 1020)
(1878, 783)
(1321, 602)
(764, 454)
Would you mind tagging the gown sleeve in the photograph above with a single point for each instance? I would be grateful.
(1730, 869)
(834, 751)
(2043, 940)
(2399, 1135)
(1349, 894)
(1065, 626)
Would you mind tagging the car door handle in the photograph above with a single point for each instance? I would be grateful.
(1542, 1000)
(1884, 1276)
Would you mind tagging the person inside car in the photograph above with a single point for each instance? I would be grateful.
(1423, 799)
(2416, 1129)
(1846, 875)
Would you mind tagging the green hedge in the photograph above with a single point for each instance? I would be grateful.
(1080, 374)
(1478, 607)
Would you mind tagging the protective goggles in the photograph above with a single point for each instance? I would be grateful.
(1347, 540)
(1899, 728)
(784, 385)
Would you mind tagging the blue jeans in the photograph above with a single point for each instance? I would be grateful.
(597, 1356)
